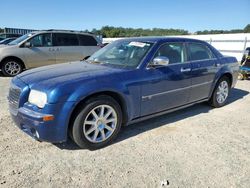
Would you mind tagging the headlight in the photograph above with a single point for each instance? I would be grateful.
(38, 98)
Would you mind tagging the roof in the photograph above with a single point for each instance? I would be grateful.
(161, 39)
(61, 31)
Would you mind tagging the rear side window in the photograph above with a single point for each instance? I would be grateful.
(87, 40)
(64, 39)
(199, 51)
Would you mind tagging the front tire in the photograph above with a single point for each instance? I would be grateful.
(11, 67)
(221, 93)
(97, 123)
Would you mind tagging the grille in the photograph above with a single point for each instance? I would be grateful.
(14, 96)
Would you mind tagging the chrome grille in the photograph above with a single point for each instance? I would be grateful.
(14, 96)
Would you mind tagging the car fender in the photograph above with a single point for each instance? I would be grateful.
(91, 87)
(222, 71)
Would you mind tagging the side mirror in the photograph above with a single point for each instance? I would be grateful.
(160, 61)
(27, 45)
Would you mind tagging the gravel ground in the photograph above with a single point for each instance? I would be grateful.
(195, 147)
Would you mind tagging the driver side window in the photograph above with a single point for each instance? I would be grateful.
(42, 40)
(173, 51)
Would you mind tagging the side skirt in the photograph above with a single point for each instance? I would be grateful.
(164, 112)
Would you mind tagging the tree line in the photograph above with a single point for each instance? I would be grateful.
(113, 32)
(245, 30)
(109, 31)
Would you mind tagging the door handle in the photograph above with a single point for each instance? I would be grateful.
(185, 69)
(51, 49)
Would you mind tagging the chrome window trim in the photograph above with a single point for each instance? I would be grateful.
(197, 61)
(174, 90)
(185, 62)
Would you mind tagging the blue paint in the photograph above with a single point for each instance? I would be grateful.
(145, 91)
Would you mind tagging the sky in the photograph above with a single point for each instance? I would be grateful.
(191, 15)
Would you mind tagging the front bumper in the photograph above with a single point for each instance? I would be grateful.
(32, 123)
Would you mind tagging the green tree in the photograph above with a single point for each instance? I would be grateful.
(247, 29)
(109, 31)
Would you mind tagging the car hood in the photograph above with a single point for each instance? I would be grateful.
(54, 75)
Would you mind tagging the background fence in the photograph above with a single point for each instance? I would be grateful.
(227, 44)
(17, 31)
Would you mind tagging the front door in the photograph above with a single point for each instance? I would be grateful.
(40, 52)
(167, 87)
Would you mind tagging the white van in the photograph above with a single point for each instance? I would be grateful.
(48, 47)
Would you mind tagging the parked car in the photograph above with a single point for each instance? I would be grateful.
(7, 41)
(125, 82)
(45, 48)
(9, 35)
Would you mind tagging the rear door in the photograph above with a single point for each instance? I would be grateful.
(167, 87)
(88, 44)
(204, 67)
(40, 51)
(67, 47)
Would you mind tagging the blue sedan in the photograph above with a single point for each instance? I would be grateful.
(125, 82)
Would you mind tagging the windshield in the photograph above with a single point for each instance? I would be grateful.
(20, 39)
(121, 53)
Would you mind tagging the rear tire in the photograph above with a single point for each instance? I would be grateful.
(221, 93)
(11, 67)
(97, 123)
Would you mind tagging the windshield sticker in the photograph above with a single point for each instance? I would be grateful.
(137, 44)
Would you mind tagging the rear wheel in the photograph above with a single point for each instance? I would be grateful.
(11, 67)
(221, 92)
(97, 123)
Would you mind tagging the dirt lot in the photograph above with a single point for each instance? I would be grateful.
(195, 147)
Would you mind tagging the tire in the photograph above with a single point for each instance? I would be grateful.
(221, 93)
(91, 129)
(11, 67)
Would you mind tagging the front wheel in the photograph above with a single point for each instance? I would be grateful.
(11, 68)
(97, 123)
(221, 92)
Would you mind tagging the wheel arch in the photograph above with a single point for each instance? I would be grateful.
(116, 96)
(229, 76)
(13, 58)
(226, 74)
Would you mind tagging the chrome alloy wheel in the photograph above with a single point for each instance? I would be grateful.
(100, 123)
(12, 68)
(222, 92)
